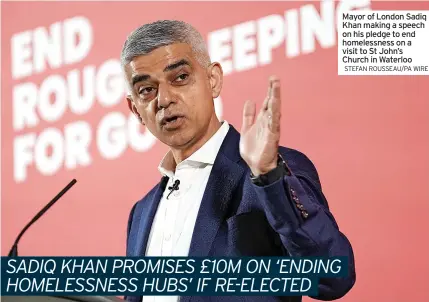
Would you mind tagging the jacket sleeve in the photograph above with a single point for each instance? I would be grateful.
(298, 211)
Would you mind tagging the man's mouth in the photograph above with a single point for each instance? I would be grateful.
(171, 122)
(170, 119)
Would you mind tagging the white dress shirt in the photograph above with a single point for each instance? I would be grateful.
(175, 218)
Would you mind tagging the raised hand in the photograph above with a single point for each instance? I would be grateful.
(260, 135)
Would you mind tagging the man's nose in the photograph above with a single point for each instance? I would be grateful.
(165, 96)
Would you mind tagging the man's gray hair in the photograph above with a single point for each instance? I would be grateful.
(151, 36)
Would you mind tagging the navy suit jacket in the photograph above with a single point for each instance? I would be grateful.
(238, 218)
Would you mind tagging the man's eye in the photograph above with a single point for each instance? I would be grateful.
(146, 90)
(182, 77)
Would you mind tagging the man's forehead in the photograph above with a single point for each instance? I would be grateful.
(160, 58)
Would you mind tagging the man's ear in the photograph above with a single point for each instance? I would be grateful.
(133, 108)
(215, 74)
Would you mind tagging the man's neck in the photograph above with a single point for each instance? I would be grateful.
(182, 154)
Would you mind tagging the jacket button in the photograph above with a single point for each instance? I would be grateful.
(304, 214)
(300, 206)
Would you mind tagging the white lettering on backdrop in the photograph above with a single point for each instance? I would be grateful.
(238, 48)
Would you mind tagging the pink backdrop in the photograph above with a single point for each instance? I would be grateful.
(367, 135)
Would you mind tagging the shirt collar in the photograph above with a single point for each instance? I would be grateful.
(205, 155)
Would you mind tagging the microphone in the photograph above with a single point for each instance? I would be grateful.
(14, 250)
(174, 187)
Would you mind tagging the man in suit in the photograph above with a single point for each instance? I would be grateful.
(221, 193)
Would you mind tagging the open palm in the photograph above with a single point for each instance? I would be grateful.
(260, 135)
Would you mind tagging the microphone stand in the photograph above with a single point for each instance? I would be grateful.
(14, 250)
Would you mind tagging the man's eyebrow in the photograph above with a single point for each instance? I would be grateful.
(143, 77)
(139, 78)
(176, 64)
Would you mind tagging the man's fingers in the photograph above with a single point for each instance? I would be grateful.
(269, 93)
(267, 98)
(270, 111)
(274, 104)
(275, 88)
(273, 118)
(249, 112)
(265, 104)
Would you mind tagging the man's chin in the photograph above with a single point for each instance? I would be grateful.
(178, 140)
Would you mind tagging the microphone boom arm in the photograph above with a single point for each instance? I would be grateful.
(14, 250)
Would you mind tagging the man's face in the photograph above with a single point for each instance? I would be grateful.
(173, 94)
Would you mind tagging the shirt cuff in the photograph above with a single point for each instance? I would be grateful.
(274, 175)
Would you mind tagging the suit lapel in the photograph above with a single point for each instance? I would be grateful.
(147, 216)
(224, 178)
